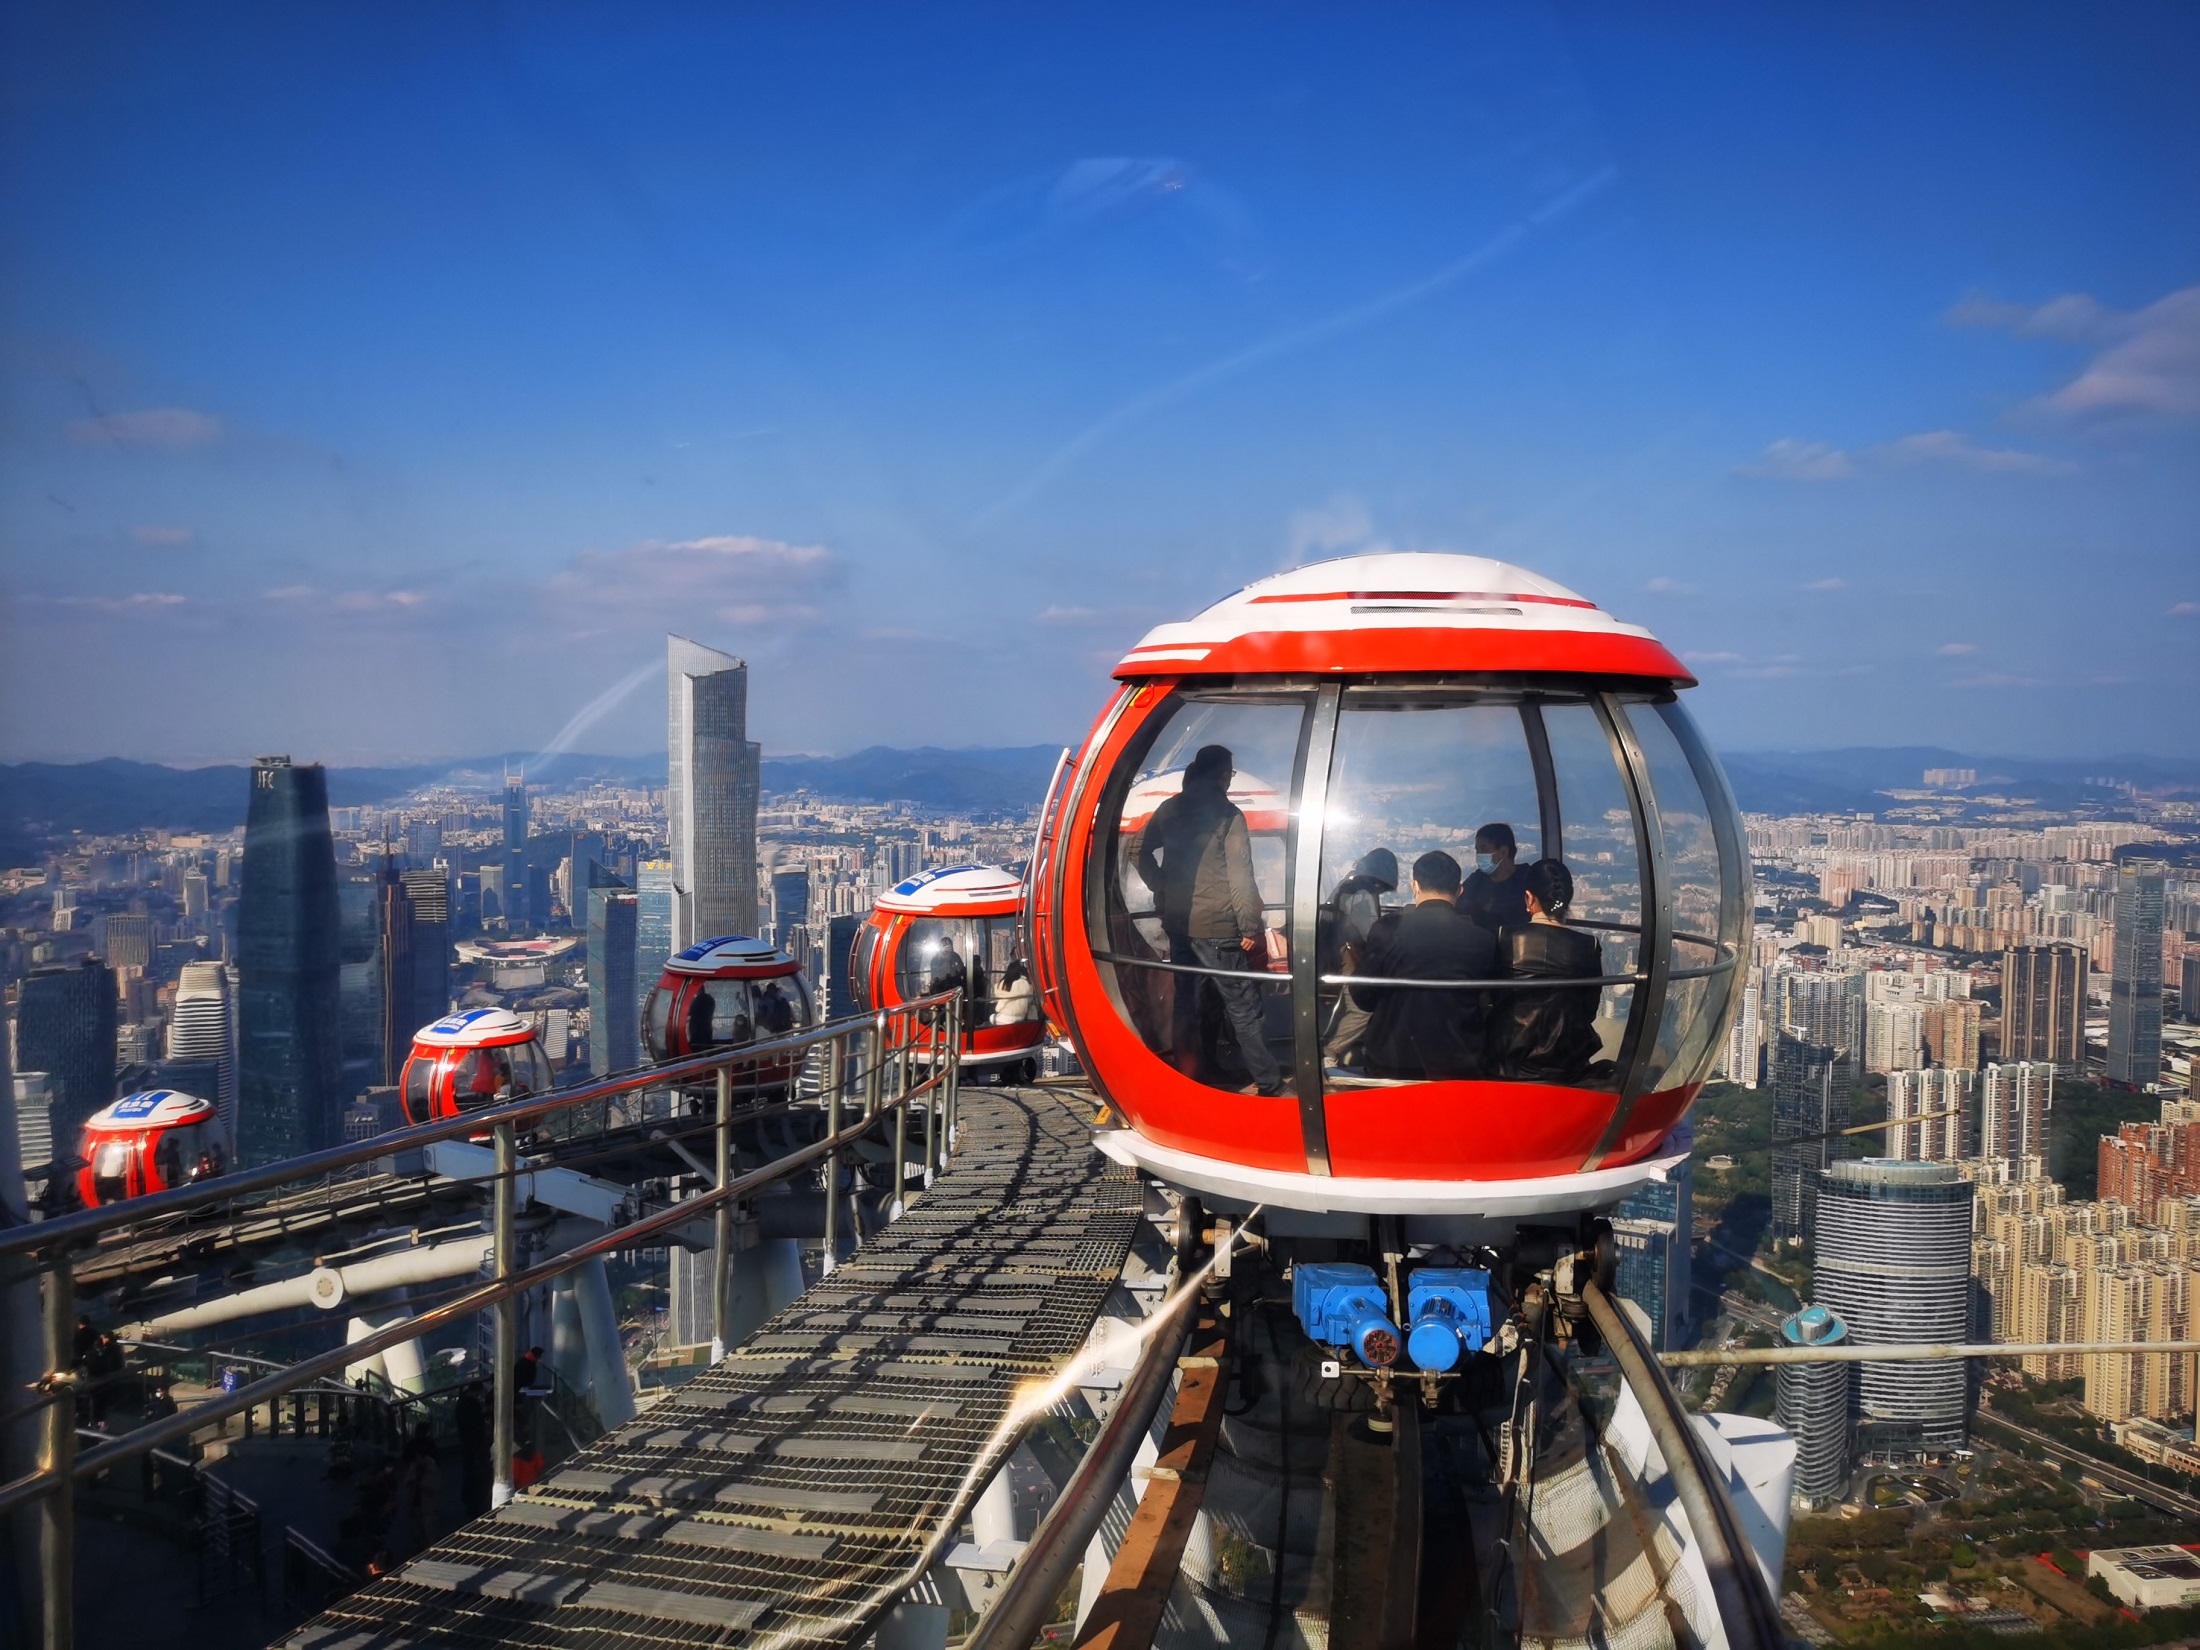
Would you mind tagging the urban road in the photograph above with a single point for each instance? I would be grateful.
(2116, 1478)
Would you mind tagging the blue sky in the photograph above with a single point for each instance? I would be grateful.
(382, 382)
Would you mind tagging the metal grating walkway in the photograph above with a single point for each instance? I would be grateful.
(791, 1494)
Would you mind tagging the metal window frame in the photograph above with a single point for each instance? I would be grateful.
(1638, 1046)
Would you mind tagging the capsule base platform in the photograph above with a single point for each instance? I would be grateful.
(1221, 1184)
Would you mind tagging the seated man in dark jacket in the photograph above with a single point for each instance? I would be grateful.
(1548, 1036)
(1416, 1032)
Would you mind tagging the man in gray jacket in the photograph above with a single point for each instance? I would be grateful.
(1197, 857)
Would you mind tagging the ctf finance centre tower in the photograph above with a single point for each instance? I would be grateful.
(710, 803)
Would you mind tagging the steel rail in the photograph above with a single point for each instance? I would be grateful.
(1057, 1547)
(1514, 982)
(1910, 1352)
(75, 1229)
(185, 1422)
(1738, 1591)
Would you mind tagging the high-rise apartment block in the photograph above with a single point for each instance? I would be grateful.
(2016, 1103)
(1938, 1105)
(1813, 1403)
(1809, 1101)
(1952, 1033)
(1744, 1060)
(2143, 1163)
(2043, 1005)
(1894, 1036)
(1894, 1263)
(65, 1027)
(289, 967)
(1827, 1010)
(2135, 982)
(653, 900)
(710, 799)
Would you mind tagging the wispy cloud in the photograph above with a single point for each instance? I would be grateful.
(2145, 361)
(1283, 343)
(1663, 586)
(1791, 460)
(138, 601)
(2185, 610)
(168, 428)
(1827, 584)
(1956, 650)
(160, 536)
(734, 580)
(1956, 448)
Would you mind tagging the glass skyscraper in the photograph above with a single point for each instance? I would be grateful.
(1894, 1263)
(289, 963)
(65, 1027)
(614, 994)
(202, 1031)
(2135, 982)
(711, 792)
(514, 890)
(1652, 1231)
(652, 919)
(1808, 1099)
(1813, 1404)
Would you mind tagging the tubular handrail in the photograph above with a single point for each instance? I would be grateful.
(187, 1421)
(1738, 1591)
(77, 1228)
(1517, 982)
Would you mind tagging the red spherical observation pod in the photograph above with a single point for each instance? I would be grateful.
(149, 1142)
(471, 1060)
(1285, 896)
(724, 992)
(957, 928)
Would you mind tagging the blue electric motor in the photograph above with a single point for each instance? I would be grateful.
(1340, 1304)
(1450, 1311)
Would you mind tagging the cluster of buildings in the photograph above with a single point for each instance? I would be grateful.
(281, 969)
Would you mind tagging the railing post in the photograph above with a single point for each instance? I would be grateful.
(721, 1259)
(501, 1440)
(901, 1154)
(954, 1077)
(57, 1459)
(832, 1185)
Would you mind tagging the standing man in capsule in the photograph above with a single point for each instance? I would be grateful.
(1197, 856)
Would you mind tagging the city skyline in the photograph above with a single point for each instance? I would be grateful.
(335, 368)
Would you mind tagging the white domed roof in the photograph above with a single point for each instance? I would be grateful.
(150, 1108)
(731, 956)
(475, 1028)
(1402, 611)
(957, 890)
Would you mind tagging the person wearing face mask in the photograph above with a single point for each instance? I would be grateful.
(1495, 896)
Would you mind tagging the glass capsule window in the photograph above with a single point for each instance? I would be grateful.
(1417, 938)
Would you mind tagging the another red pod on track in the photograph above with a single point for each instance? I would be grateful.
(958, 927)
(470, 1061)
(725, 992)
(1371, 711)
(153, 1141)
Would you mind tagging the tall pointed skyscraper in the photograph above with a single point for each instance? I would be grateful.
(289, 962)
(710, 805)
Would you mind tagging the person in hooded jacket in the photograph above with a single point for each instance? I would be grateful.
(1548, 1036)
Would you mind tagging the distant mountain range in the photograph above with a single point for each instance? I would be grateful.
(42, 799)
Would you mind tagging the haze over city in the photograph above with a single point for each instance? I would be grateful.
(381, 385)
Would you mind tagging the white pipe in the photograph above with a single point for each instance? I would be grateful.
(327, 1287)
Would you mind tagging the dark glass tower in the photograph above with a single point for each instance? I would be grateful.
(416, 960)
(289, 965)
(2135, 982)
(1808, 1100)
(65, 1027)
(614, 1005)
(517, 915)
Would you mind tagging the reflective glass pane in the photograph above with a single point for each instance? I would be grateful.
(1192, 871)
(1704, 889)
(1596, 844)
(1420, 776)
(930, 958)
